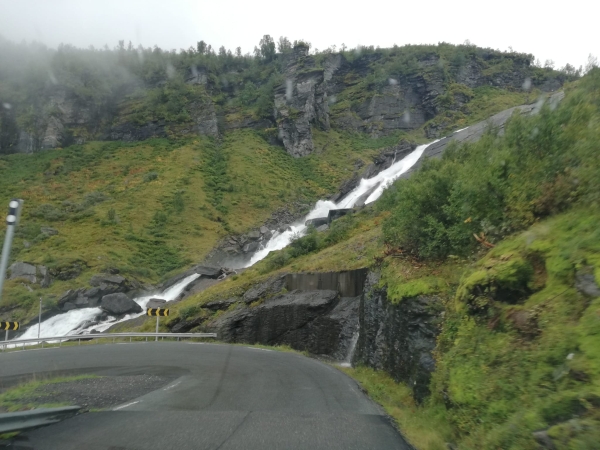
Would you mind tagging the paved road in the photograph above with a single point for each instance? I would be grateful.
(221, 397)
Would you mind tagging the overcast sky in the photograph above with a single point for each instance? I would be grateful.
(564, 32)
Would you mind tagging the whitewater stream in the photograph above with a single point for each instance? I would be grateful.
(372, 188)
(82, 321)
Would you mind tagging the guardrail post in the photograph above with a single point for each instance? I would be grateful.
(157, 317)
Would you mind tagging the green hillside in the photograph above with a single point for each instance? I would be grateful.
(151, 171)
(151, 207)
(518, 349)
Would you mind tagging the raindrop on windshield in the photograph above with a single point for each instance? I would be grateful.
(406, 116)
(7, 105)
(527, 84)
(392, 81)
(289, 89)
(170, 70)
(534, 132)
(538, 105)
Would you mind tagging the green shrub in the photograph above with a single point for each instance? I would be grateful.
(150, 176)
(48, 212)
(304, 245)
(542, 165)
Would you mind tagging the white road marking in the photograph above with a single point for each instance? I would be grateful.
(263, 349)
(172, 386)
(125, 406)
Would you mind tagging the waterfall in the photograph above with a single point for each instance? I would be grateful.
(81, 321)
(351, 348)
(372, 188)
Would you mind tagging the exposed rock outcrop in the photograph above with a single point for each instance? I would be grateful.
(585, 282)
(317, 321)
(102, 285)
(399, 338)
(156, 303)
(301, 102)
(119, 304)
(265, 289)
(219, 305)
(29, 272)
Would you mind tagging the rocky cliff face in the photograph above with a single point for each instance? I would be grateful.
(203, 121)
(399, 339)
(377, 93)
(318, 321)
(301, 102)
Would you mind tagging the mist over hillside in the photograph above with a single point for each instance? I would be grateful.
(55, 98)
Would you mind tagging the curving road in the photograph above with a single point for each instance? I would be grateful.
(222, 397)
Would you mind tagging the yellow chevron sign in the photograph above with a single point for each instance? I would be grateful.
(9, 325)
(157, 312)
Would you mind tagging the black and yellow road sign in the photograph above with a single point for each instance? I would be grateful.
(157, 311)
(9, 325)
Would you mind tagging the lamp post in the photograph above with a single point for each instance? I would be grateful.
(14, 212)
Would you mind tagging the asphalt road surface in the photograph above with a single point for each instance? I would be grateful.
(222, 397)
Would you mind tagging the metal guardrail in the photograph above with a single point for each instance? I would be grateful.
(26, 420)
(113, 336)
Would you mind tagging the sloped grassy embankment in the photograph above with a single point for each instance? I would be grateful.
(150, 209)
(506, 231)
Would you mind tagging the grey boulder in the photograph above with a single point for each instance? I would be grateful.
(284, 319)
(251, 247)
(23, 270)
(586, 284)
(98, 280)
(156, 303)
(268, 288)
(218, 305)
(119, 304)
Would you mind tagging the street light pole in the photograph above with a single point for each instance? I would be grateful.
(14, 211)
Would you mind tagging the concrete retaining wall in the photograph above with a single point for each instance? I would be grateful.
(348, 283)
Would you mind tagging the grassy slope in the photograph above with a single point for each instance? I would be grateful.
(165, 203)
(508, 365)
(530, 365)
(171, 201)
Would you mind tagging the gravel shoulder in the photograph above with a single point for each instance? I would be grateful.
(96, 393)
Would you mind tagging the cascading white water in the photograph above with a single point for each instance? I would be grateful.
(351, 348)
(81, 321)
(375, 186)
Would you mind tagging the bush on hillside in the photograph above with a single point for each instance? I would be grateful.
(501, 184)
